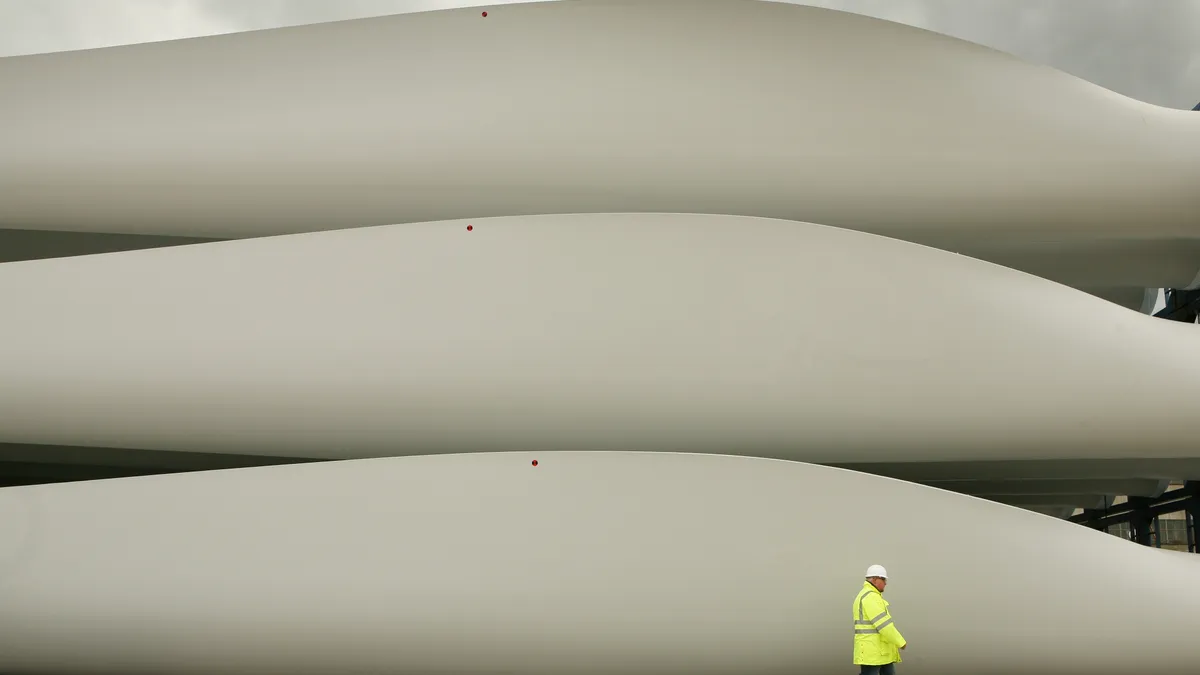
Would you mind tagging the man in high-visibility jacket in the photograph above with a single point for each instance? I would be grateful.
(877, 642)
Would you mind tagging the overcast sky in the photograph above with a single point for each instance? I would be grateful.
(1147, 49)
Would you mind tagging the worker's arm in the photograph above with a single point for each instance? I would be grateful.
(878, 615)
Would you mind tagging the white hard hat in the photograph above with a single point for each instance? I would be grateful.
(876, 571)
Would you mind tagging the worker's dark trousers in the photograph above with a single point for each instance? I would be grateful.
(886, 669)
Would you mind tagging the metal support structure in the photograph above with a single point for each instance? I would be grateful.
(1142, 514)
(1192, 513)
(1141, 521)
(1180, 305)
(1191, 530)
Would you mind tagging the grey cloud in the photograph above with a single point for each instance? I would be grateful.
(1147, 50)
(33, 26)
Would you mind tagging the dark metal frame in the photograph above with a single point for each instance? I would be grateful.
(1180, 305)
(1142, 513)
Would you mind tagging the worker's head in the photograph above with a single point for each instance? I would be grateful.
(877, 577)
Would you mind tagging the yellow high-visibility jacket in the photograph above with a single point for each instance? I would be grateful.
(876, 639)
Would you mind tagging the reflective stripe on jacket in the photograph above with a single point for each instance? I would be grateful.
(876, 639)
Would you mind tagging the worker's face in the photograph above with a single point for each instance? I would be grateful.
(879, 583)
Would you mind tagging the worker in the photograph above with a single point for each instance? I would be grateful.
(877, 641)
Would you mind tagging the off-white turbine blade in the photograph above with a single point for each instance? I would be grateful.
(588, 563)
(584, 332)
(725, 106)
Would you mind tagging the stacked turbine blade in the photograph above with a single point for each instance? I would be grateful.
(586, 337)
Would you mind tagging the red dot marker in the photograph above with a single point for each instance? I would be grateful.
(535, 462)
(485, 14)
(470, 227)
